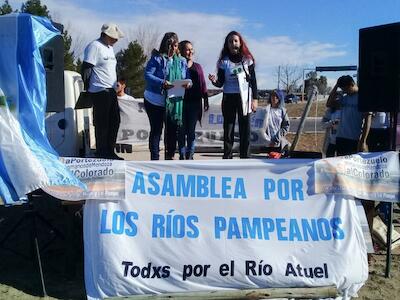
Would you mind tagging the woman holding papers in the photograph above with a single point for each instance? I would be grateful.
(192, 105)
(237, 76)
(164, 67)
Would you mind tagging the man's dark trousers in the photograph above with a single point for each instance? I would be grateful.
(106, 121)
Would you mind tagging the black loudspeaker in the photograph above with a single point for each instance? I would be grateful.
(53, 61)
(379, 68)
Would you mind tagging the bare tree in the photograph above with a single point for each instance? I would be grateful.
(79, 43)
(148, 36)
(288, 77)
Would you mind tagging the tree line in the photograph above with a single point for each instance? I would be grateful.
(130, 61)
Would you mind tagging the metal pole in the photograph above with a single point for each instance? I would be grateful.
(393, 128)
(389, 239)
(268, 293)
(39, 261)
(34, 237)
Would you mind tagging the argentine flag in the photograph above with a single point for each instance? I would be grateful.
(27, 160)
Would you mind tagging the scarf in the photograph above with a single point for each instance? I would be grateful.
(174, 105)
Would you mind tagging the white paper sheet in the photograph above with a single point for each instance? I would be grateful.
(178, 90)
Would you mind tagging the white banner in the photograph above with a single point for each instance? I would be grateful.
(370, 176)
(134, 128)
(207, 225)
(104, 179)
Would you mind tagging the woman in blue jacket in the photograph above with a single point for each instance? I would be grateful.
(164, 66)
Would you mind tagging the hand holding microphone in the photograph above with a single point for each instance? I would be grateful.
(212, 78)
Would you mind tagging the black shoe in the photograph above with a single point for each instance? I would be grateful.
(169, 155)
(115, 157)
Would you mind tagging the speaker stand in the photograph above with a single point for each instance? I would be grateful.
(389, 207)
(31, 217)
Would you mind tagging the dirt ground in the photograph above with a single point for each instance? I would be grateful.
(378, 287)
(296, 109)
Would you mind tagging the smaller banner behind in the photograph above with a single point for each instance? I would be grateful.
(371, 176)
(104, 179)
(207, 225)
(134, 127)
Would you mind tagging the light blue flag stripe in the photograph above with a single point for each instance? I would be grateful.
(27, 160)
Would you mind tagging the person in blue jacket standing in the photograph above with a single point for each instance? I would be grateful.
(164, 66)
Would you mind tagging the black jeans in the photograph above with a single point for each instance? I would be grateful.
(232, 106)
(173, 133)
(190, 117)
(345, 146)
(106, 121)
(331, 151)
(378, 140)
(156, 115)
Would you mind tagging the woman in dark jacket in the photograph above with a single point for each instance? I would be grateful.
(161, 65)
(192, 104)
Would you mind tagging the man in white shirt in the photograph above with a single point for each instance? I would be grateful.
(99, 76)
(125, 102)
(121, 86)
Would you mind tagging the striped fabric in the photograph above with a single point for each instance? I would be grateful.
(27, 161)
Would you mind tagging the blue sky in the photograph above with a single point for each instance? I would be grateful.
(281, 32)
